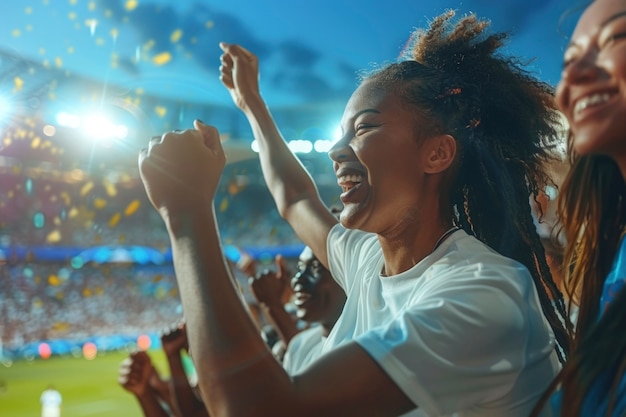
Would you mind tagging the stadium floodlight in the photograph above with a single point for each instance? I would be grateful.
(66, 119)
(322, 145)
(99, 127)
(300, 146)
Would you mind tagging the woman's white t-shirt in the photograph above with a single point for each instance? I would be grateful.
(461, 333)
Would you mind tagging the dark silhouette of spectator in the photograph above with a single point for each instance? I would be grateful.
(185, 398)
(135, 375)
(176, 396)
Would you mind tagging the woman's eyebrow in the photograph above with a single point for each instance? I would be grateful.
(612, 18)
(602, 25)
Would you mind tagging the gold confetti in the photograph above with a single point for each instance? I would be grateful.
(115, 220)
(110, 188)
(53, 237)
(18, 83)
(149, 45)
(162, 58)
(66, 198)
(114, 33)
(16, 33)
(58, 62)
(86, 188)
(176, 35)
(131, 5)
(132, 208)
(54, 280)
(35, 143)
(224, 205)
(28, 10)
(209, 24)
(160, 111)
(99, 203)
(71, 15)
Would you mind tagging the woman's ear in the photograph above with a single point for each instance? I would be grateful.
(440, 153)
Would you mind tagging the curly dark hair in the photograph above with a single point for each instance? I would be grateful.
(505, 124)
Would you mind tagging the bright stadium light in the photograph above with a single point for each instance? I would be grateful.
(322, 145)
(300, 146)
(68, 120)
(100, 127)
(254, 146)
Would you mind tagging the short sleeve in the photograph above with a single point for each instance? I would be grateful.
(345, 248)
(460, 346)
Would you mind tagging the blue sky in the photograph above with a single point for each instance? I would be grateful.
(309, 51)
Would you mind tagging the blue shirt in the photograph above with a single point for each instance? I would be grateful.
(596, 403)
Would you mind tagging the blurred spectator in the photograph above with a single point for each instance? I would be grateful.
(51, 301)
(51, 401)
(135, 374)
(186, 399)
(176, 396)
(318, 302)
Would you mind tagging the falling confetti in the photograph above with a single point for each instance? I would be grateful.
(115, 219)
(131, 5)
(224, 205)
(162, 58)
(176, 36)
(132, 208)
(86, 188)
(160, 111)
(18, 84)
(99, 203)
(53, 237)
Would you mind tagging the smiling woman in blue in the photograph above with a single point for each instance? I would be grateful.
(592, 95)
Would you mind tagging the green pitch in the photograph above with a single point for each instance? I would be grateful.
(89, 387)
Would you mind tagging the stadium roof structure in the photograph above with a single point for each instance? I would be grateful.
(135, 68)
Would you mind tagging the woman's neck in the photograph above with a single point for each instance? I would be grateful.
(404, 252)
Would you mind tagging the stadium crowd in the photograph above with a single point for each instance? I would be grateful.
(445, 239)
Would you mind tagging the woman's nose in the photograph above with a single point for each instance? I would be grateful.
(582, 68)
(339, 151)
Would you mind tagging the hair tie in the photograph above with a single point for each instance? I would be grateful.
(450, 92)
